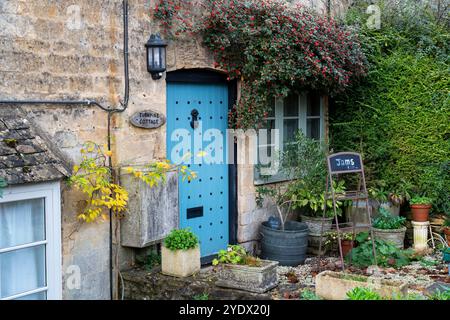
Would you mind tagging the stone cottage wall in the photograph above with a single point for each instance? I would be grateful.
(52, 49)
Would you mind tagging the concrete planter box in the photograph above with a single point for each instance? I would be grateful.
(249, 278)
(335, 285)
(397, 236)
(180, 263)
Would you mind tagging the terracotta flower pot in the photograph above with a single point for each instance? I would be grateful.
(420, 212)
(447, 235)
(347, 246)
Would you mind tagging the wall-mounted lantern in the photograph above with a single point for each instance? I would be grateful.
(156, 56)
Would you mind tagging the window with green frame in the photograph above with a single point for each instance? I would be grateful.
(296, 112)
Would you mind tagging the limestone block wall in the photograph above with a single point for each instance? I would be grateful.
(72, 49)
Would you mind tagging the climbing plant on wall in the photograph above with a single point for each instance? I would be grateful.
(272, 46)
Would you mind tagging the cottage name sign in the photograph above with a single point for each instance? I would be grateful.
(148, 119)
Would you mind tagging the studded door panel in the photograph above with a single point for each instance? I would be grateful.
(201, 110)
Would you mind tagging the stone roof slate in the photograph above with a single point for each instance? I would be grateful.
(26, 155)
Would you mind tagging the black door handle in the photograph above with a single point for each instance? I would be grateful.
(194, 121)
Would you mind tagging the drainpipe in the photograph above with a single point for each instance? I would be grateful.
(109, 110)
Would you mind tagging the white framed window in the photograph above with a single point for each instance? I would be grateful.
(305, 112)
(30, 242)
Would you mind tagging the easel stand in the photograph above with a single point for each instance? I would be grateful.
(346, 163)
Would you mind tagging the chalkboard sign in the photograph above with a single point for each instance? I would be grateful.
(345, 162)
(147, 119)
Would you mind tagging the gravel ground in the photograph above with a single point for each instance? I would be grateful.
(418, 275)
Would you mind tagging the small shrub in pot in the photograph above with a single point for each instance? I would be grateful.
(180, 253)
(420, 208)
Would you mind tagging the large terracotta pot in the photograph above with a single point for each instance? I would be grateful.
(447, 235)
(420, 212)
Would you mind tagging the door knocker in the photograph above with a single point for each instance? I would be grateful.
(194, 121)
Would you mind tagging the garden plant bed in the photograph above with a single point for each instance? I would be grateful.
(143, 284)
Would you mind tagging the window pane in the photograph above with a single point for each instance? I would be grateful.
(313, 105)
(291, 105)
(37, 296)
(22, 270)
(269, 125)
(21, 222)
(313, 128)
(290, 128)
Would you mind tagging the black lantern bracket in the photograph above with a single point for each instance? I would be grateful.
(156, 56)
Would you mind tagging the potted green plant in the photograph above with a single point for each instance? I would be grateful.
(389, 228)
(180, 253)
(239, 270)
(313, 204)
(420, 207)
(382, 196)
(347, 241)
(281, 240)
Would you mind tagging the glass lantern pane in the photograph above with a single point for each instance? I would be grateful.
(162, 54)
(156, 58)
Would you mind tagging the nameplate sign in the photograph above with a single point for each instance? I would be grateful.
(148, 119)
(345, 162)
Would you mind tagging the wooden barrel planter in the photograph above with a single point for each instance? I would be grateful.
(287, 246)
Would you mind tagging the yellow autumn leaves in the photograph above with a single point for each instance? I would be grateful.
(93, 177)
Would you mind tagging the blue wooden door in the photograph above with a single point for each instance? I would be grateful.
(201, 145)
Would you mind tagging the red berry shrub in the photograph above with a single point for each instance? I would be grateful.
(274, 47)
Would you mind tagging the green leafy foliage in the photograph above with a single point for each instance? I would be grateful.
(305, 161)
(309, 295)
(360, 293)
(202, 296)
(440, 295)
(182, 239)
(387, 221)
(236, 254)
(388, 255)
(421, 200)
(149, 260)
(398, 118)
(3, 184)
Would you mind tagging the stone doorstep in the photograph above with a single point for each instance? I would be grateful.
(141, 284)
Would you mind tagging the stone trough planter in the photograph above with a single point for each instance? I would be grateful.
(249, 278)
(396, 236)
(335, 285)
